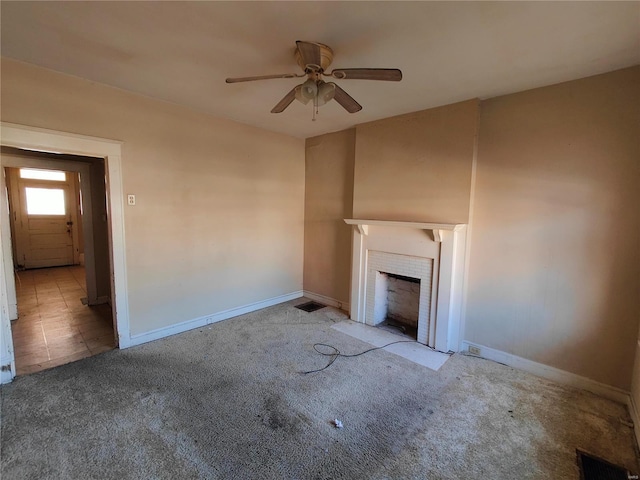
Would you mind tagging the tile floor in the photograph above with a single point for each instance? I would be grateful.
(53, 326)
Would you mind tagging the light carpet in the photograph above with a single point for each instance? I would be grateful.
(228, 401)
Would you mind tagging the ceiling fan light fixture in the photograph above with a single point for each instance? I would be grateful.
(300, 97)
(326, 92)
(309, 89)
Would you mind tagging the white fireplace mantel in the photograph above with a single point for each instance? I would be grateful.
(446, 248)
(436, 228)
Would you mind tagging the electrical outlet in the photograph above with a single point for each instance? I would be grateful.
(473, 350)
(131, 199)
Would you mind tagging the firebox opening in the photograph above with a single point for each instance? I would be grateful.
(397, 303)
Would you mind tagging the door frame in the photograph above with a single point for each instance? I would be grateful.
(45, 140)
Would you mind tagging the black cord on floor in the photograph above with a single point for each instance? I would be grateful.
(336, 353)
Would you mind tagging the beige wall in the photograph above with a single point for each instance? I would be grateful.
(219, 216)
(413, 167)
(328, 200)
(416, 167)
(555, 230)
(554, 273)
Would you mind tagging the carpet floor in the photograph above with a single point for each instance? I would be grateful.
(228, 401)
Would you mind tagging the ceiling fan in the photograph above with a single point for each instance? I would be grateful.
(314, 58)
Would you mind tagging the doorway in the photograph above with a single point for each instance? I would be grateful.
(58, 321)
(39, 140)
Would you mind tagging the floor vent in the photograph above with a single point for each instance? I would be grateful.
(594, 468)
(310, 306)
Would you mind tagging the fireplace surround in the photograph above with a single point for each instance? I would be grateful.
(434, 253)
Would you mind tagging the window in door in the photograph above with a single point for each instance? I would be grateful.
(45, 201)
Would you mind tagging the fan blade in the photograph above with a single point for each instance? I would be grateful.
(310, 53)
(263, 77)
(346, 100)
(386, 74)
(285, 102)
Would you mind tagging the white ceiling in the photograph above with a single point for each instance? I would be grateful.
(182, 52)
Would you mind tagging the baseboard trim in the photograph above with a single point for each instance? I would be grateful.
(551, 373)
(5, 377)
(163, 332)
(332, 302)
(13, 311)
(8, 372)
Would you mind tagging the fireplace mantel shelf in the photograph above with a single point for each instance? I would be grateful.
(436, 228)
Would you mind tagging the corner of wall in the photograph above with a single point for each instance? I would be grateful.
(469, 228)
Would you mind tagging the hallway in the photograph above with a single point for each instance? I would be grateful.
(54, 327)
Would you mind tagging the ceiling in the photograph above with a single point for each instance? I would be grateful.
(182, 52)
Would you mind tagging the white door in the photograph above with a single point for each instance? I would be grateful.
(44, 220)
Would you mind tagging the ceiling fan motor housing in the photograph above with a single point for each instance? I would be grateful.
(326, 57)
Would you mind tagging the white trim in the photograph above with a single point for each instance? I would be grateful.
(209, 319)
(53, 141)
(332, 302)
(391, 223)
(118, 258)
(445, 321)
(456, 289)
(551, 373)
(358, 277)
(43, 140)
(467, 248)
(7, 375)
(437, 229)
(8, 272)
(7, 357)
